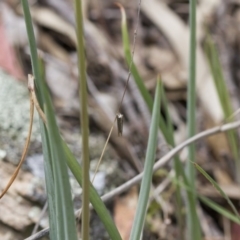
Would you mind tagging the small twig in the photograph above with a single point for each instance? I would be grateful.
(45, 207)
(161, 162)
(39, 235)
(103, 151)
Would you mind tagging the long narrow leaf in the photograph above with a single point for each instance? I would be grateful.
(219, 209)
(193, 225)
(83, 101)
(148, 169)
(48, 169)
(215, 184)
(223, 95)
(177, 164)
(33, 50)
(64, 218)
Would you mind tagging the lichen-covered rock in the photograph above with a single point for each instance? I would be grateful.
(14, 119)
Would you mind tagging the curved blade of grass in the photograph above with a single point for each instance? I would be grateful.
(214, 183)
(148, 169)
(219, 209)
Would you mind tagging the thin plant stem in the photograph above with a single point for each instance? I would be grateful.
(84, 118)
(133, 48)
(141, 210)
(193, 227)
(177, 167)
(43, 212)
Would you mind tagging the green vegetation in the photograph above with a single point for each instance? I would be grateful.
(58, 157)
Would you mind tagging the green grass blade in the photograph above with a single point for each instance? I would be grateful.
(217, 73)
(191, 97)
(193, 226)
(219, 209)
(223, 95)
(64, 218)
(48, 169)
(138, 80)
(83, 100)
(49, 181)
(148, 169)
(95, 200)
(128, 55)
(33, 50)
(177, 163)
(214, 183)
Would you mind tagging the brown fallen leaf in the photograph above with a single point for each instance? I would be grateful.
(124, 212)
